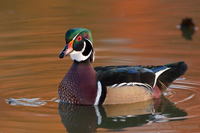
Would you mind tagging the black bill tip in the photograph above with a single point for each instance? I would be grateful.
(61, 55)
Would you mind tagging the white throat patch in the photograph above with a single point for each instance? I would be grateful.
(78, 55)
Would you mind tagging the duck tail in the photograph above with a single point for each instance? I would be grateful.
(166, 78)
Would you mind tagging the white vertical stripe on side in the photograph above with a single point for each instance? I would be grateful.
(99, 90)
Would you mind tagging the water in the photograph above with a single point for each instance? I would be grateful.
(124, 33)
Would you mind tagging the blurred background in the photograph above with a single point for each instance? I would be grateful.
(125, 32)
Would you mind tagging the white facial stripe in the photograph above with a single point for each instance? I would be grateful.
(89, 41)
(93, 50)
(76, 35)
(83, 47)
(77, 52)
(78, 56)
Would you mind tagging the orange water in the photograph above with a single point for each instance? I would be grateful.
(124, 33)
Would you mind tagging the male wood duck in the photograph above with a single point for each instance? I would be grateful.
(86, 85)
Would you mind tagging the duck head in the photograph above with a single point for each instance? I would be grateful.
(78, 45)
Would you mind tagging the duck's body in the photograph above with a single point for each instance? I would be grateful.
(112, 84)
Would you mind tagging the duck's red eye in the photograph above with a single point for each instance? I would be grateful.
(79, 38)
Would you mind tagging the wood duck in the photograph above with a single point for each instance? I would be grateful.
(86, 85)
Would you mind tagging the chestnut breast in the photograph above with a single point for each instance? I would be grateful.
(79, 86)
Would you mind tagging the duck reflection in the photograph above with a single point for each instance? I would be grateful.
(86, 119)
(188, 28)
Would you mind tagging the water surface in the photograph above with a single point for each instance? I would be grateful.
(124, 33)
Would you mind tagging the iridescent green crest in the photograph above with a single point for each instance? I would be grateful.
(71, 33)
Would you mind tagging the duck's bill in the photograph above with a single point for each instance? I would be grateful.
(67, 50)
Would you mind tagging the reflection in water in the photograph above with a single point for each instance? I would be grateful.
(31, 37)
(87, 119)
(188, 28)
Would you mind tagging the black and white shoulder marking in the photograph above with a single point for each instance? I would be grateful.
(144, 85)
